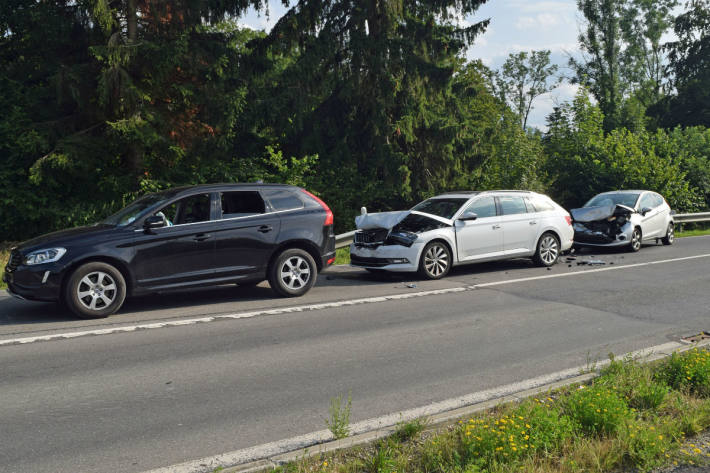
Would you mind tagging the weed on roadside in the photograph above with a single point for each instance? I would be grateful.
(339, 421)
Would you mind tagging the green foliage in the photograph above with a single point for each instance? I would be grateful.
(339, 421)
(635, 383)
(598, 409)
(408, 430)
(523, 78)
(646, 443)
(585, 161)
(690, 370)
(689, 57)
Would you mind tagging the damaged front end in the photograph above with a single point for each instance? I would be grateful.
(389, 240)
(404, 228)
(608, 225)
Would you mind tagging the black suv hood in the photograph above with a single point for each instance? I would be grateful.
(65, 237)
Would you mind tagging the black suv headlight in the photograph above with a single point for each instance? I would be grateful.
(48, 255)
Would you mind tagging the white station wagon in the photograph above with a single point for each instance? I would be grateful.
(459, 228)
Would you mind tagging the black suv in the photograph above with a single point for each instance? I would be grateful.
(179, 238)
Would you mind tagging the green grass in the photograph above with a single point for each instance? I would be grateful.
(633, 417)
(342, 256)
(4, 256)
(695, 232)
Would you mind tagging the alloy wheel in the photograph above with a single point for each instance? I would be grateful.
(670, 236)
(436, 260)
(549, 249)
(295, 272)
(636, 240)
(96, 291)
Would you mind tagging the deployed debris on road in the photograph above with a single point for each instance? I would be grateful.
(591, 262)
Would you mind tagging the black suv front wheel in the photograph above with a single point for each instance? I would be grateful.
(95, 290)
(293, 273)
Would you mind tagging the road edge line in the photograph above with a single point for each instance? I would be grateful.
(272, 454)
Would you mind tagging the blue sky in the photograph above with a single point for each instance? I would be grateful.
(516, 25)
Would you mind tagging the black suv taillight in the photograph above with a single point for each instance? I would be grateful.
(328, 212)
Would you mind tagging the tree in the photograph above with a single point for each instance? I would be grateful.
(367, 90)
(622, 62)
(523, 78)
(584, 161)
(601, 68)
(643, 25)
(689, 59)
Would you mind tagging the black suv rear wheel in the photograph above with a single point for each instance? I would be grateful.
(293, 273)
(95, 290)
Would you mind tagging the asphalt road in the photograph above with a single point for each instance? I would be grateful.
(128, 402)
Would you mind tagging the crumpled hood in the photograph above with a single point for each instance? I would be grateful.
(590, 214)
(391, 219)
(379, 220)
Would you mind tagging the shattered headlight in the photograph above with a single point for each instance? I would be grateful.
(48, 255)
(401, 238)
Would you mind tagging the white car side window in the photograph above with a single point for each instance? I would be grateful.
(482, 207)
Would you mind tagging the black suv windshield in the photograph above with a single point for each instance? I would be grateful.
(130, 213)
(626, 198)
(445, 208)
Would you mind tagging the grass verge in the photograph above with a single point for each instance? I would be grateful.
(4, 256)
(695, 232)
(342, 255)
(633, 417)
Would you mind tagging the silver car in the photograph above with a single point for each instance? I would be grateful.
(623, 218)
(461, 228)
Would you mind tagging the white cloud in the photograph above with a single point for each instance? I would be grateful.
(540, 21)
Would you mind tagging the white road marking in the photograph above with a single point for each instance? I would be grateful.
(320, 306)
(242, 315)
(588, 271)
(272, 449)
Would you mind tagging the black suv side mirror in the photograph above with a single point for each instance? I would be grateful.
(471, 216)
(645, 210)
(154, 221)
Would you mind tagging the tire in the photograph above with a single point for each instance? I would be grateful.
(435, 261)
(670, 235)
(548, 250)
(293, 273)
(95, 290)
(635, 243)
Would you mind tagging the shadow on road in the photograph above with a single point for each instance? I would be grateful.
(17, 312)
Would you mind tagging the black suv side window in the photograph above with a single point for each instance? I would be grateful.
(284, 199)
(195, 208)
(241, 204)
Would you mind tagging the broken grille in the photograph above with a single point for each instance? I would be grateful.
(371, 236)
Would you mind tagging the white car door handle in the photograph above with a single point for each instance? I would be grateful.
(496, 227)
(533, 223)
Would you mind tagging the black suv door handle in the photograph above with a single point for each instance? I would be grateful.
(202, 236)
(265, 228)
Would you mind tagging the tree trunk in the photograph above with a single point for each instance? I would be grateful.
(132, 21)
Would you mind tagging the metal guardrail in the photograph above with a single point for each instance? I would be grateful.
(690, 218)
(344, 239)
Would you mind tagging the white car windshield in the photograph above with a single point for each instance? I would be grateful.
(446, 207)
(626, 198)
